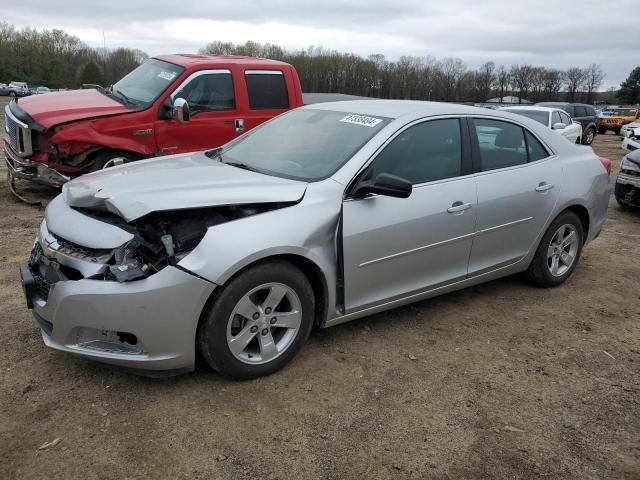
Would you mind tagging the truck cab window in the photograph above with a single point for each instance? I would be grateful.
(209, 92)
(267, 90)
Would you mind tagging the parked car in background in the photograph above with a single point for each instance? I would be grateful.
(618, 118)
(553, 118)
(328, 213)
(626, 130)
(40, 90)
(15, 89)
(631, 141)
(169, 104)
(584, 114)
(627, 190)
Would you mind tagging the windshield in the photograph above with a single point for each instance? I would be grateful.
(537, 115)
(304, 144)
(145, 83)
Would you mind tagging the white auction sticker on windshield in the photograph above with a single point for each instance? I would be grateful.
(361, 120)
(167, 75)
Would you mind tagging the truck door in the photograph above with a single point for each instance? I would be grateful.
(211, 95)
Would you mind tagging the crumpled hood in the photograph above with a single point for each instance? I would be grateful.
(54, 108)
(175, 183)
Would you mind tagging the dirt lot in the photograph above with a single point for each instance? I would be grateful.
(499, 381)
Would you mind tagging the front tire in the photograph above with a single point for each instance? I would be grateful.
(602, 131)
(109, 158)
(258, 322)
(558, 253)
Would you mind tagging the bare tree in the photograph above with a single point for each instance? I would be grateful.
(593, 80)
(486, 77)
(522, 76)
(504, 79)
(574, 81)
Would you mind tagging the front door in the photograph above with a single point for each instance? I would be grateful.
(518, 187)
(214, 114)
(393, 246)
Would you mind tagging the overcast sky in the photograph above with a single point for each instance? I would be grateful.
(551, 33)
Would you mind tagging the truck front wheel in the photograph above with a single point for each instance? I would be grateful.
(109, 158)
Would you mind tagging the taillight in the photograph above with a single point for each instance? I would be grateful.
(606, 163)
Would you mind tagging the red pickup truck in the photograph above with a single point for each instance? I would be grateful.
(169, 104)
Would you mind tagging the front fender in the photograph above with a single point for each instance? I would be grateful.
(120, 132)
(307, 229)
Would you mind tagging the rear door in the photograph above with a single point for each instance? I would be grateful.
(395, 246)
(518, 186)
(211, 95)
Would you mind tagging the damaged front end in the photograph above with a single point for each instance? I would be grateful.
(151, 243)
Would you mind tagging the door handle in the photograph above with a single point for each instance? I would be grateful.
(458, 207)
(239, 125)
(543, 187)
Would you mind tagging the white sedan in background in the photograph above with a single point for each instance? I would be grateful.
(553, 118)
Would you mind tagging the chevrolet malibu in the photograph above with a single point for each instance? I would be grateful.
(323, 215)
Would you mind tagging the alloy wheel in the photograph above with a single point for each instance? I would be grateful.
(562, 250)
(264, 323)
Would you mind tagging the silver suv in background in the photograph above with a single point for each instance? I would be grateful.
(15, 89)
(325, 214)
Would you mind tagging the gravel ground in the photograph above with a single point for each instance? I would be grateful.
(502, 380)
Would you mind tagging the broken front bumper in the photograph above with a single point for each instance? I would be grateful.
(627, 189)
(147, 324)
(35, 171)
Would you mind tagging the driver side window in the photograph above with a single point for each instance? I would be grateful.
(422, 153)
(209, 92)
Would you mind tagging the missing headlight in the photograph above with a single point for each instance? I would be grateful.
(164, 238)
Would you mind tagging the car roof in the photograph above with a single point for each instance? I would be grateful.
(192, 59)
(534, 108)
(401, 108)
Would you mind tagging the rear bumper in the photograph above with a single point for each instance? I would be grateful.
(37, 172)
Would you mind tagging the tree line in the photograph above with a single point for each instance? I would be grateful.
(58, 60)
(424, 78)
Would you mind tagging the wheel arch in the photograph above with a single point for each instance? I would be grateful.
(583, 214)
(310, 268)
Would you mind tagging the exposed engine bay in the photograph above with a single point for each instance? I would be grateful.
(164, 238)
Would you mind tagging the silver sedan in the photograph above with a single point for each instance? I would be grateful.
(324, 214)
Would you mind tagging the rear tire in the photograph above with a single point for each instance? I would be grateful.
(558, 253)
(589, 135)
(268, 332)
(602, 131)
(13, 94)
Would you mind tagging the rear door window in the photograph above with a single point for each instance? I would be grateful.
(501, 144)
(565, 118)
(267, 90)
(580, 111)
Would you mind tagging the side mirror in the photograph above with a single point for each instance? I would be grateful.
(181, 110)
(559, 126)
(384, 184)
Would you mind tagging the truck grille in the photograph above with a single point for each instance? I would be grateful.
(11, 128)
(19, 134)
